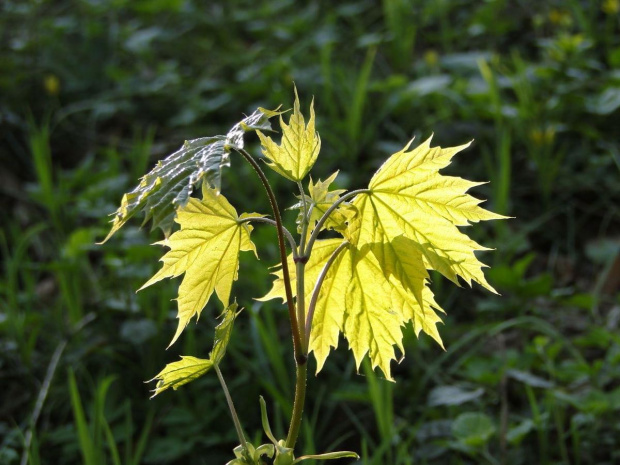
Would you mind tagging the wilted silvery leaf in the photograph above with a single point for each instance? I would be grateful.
(170, 184)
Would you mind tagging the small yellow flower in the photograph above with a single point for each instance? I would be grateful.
(431, 58)
(611, 7)
(51, 83)
(560, 18)
(542, 137)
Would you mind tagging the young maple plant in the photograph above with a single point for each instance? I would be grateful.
(366, 284)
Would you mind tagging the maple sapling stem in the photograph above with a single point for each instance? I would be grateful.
(286, 276)
(231, 407)
(300, 266)
(319, 224)
(301, 376)
(304, 220)
(317, 289)
(301, 369)
(287, 233)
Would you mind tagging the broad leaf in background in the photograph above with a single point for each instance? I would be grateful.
(473, 429)
(206, 249)
(189, 368)
(410, 198)
(299, 147)
(169, 185)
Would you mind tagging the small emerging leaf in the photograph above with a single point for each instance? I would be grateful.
(265, 420)
(169, 185)
(319, 200)
(250, 455)
(189, 368)
(207, 250)
(299, 147)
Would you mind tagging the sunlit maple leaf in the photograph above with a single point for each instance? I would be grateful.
(206, 249)
(404, 224)
(359, 300)
(299, 147)
(408, 197)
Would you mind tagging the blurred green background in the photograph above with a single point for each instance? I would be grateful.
(94, 92)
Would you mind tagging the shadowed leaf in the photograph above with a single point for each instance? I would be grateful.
(169, 185)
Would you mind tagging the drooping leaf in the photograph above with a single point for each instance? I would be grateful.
(206, 249)
(328, 456)
(190, 368)
(408, 197)
(299, 147)
(169, 185)
(177, 374)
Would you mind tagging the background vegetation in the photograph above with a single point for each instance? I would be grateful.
(93, 92)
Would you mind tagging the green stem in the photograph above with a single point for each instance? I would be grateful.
(298, 406)
(319, 225)
(301, 370)
(231, 406)
(300, 358)
(304, 221)
(302, 367)
(301, 303)
(287, 233)
(300, 265)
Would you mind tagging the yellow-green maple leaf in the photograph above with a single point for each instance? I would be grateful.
(299, 147)
(369, 307)
(176, 374)
(320, 253)
(407, 222)
(360, 301)
(321, 199)
(189, 368)
(206, 249)
(409, 198)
